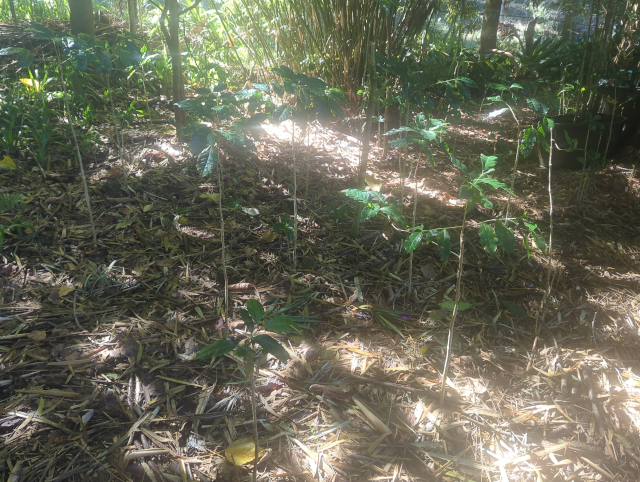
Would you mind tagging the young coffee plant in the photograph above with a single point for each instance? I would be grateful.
(304, 98)
(256, 319)
(376, 203)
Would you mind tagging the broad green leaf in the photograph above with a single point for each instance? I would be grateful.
(540, 242)
(369, 211)
(199, 140)
(216, 349)
(403, 141)
(515, 309)
(255, 309)
(463, 305)
(459, 164)
(413, 241)
(278, 89)
(444, 244)
(208, 161)
(336, 108)
(282, 324)
(506, 238)
(488, 238)
(395, 214)
(400, 129)
(244, 352)
(272, 346)
(488, 162)
(494, 183)
(248, 320)
(360, 196)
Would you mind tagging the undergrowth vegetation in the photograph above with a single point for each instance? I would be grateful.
(227, 106)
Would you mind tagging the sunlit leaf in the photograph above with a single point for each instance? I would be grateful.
(413, 241)
(241, 451)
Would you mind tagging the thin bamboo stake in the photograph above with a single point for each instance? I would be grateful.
(224, 260)
(295, 194)
(447, 360)
(413, 223)
(75, 141)
(547, 292)
(513, 178)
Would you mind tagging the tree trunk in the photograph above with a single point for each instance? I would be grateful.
(490, 22)
(132, 8)
(566, 26)
(12, 6)
(176, 61)
(81, 16)
(529, 36)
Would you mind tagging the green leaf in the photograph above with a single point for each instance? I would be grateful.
(244, 352)
(494, 183)
(199, 140)
(282, 324)
(278, 89)
(444, 244)
(506, 238)
(25, 57)
(208, 161)
(463, 305)
(360, 196)
(400, 129)
(515, 309)
(248, 320)
(539, 240)
(216, 349)
(488, 238)
(413, 241)
(403, 141)
(536, 237)
(488, 162)
(459, 164)
(272, 346)
(255, 309)
(394, 214)
(369, 212)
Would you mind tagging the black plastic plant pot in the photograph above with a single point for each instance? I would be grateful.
(595, 134)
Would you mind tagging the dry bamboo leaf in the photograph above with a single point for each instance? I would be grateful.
(377, 423)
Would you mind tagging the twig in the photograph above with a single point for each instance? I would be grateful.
(254, 410)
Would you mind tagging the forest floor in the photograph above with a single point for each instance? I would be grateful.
(98, 377)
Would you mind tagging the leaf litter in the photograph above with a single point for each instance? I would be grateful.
(98, 372)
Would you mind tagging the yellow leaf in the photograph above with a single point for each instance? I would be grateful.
(215, 197)
(373, 183)
(248, 251)
(241, 452)
(7, 163)
(31, 84)
(269, 236)
(147, 208)
(65, 290)
(184, 221)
